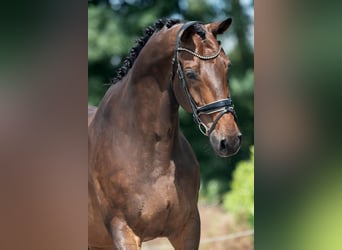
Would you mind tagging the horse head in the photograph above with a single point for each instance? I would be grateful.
(201, 86)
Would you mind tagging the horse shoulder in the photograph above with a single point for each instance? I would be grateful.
(187, 165)
(187, 153)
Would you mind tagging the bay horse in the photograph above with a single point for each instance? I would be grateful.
(143, 175)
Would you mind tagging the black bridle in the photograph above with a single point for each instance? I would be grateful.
(223, 106)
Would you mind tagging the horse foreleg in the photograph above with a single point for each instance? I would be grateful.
(189, 237)
(123, 236)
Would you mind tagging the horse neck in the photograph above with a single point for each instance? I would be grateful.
(145, 96)
(154, 61)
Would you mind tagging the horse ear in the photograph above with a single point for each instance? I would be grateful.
(218, 28)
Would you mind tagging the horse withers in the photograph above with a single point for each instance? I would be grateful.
(143, 175)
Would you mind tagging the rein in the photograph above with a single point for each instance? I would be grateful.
(223, 106)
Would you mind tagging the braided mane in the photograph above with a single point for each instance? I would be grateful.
(140, 43)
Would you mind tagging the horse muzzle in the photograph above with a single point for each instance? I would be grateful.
(225, 146)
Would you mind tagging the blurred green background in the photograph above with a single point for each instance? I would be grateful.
(113, 27)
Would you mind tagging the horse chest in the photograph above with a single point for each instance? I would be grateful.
(163, 203)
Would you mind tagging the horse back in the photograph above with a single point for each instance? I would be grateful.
(91, 113)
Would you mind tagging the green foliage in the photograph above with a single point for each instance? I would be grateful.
(240, 200)
(102, 38)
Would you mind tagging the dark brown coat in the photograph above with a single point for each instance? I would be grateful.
(143, 174)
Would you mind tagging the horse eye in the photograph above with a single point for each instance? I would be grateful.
(191, 74)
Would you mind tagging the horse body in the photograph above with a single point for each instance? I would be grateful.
(143, 175)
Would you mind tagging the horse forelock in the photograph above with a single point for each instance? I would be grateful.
(200, 30)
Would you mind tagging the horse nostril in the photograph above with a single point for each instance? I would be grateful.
(223, 144)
